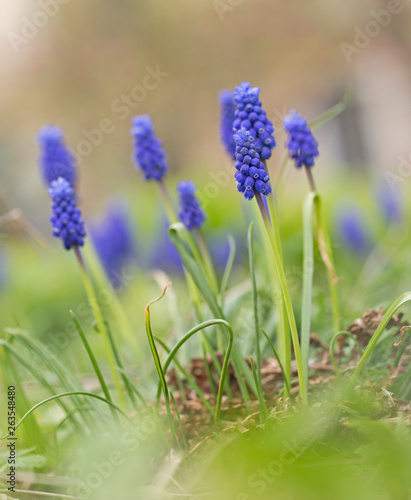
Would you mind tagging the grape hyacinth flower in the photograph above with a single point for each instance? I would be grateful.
(301, 144)
(250, 116)
(191, 214)
(352, 229)
(55, 158)
(66, 218)
(389, 198)
(250, 174)
(113, 240)
(227, 110)
(149, 154)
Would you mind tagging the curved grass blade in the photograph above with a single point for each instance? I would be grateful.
(188, 335)
(335, 110)
(405, 297)
(66, 394)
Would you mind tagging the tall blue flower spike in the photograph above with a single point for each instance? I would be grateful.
(149, 154)
(301, 144)
(389, 198)
(250, 115)
(66, 218)
(250, 173)
(113, 240)
(227, 112)
(352, 230)
(55, 158)
(191, 214)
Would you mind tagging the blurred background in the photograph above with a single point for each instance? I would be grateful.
(90, 66)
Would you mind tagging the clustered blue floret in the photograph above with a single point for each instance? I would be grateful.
(149, 154)
(66, 218)
(113, 240)
(55, 158)
(227, 112)
(301, 144)
(250, 116)
(191, 214)
(250, 174)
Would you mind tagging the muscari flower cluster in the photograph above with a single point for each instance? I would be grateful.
(250, 174)
(250, 115)
(113, 240)
(191, 214)
(66, 218)
(352, 229)
(301, 144)
(149, 154)
(227, 112)
(55, 158)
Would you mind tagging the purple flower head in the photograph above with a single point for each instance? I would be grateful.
(113, 240)
(352, 229)
(250, 116)
(301, 144)
(149, 154)
(227, 110)
(390, 200)
(55, 159)
(250, 173)
(66, 218)
(191, 214)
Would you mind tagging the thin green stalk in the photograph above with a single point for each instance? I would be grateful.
(255, 304)
(287, 300)
(228, 269)
(168, 205)
(277, 357)
(100, 325)
(92, 358)
(284, 338)
(261, 402)
(180, 424)
(208, 263)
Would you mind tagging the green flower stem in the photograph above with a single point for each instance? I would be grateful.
(168, 205)
(287, 298)
(284, 339)
(100, 325)
(326, 253)
(208, 263)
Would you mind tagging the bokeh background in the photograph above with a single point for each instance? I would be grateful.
(75, 64)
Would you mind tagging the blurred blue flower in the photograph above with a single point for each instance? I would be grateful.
(163, 254)
(191, 214)
(113, 239)
(250, 116)
(352, 230)
(149, 154)
(55, 159)
(66, 218)
(250, 174)
(301, 144)
(227, 110)
(390, 200)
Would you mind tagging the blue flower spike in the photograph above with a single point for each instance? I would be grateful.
(66, 220)
(55, 158)
(301, 144)
(113, 240)
(149, 154)
(227, 117)
(191, 214)
(250, 175)
(250, 115)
